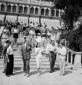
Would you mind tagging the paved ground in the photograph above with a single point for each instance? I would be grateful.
(73, 77)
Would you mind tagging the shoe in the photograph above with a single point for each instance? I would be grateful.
(8, 75)
(51, 71)
(62, 74)
(27, 75)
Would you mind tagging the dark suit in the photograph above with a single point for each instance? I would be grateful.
(26, 55)
(52, 59)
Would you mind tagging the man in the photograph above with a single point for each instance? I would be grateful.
(51, 49)
(26, 55)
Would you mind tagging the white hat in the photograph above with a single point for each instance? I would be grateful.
(31, 32)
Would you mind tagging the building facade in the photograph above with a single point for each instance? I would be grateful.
(27, 11)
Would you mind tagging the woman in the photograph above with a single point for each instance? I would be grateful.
(10, 59)
(15, 34)
(62, 56)
(38, 53)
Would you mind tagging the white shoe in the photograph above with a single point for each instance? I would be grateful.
(27, 75)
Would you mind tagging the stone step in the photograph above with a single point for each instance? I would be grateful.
(31, 66)
(32, 58)
(31, 63)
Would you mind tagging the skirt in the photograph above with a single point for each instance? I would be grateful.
(10, 64)
(15, 35)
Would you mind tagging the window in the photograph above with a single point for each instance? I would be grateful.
(36, 10)
(8, 8)
(47, 12)
(52, 12)
(42, 11)
(25, 10)
(14, 9)
(20, 9)
(31, 10)
(2, 7)
(57, 13)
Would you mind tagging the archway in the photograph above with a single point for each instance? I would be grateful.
(36, 11)
(14, 9)
(31, 10)
(20, 9)
(42, 11)
(9, 8)
(2, 7)
(25, 10)
(47, 12)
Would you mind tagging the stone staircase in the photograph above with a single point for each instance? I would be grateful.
(18, 63)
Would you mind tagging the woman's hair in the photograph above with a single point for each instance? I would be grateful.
(62, 41)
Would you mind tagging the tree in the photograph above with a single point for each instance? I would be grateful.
(71, 10)
(70, 15)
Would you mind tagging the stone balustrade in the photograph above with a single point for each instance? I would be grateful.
(74, 58)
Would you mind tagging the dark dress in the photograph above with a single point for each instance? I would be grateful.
(10, 64)
(9, 68)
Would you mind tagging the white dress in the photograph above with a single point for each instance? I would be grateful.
(38, 52)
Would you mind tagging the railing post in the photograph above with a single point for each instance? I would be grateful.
(67, 59)
(77, 60)
(71, 58)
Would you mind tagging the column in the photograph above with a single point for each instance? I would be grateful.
(23, 9)
(12, 8)
(17, 11)
(29, 10)
(39, 15)
(45, 11)
(5, 12)
(55, 12)
(17, 8)
(28, 14)
(50, 12)
(34, 10)
(59, 13)
(0, 6)
(5, 7)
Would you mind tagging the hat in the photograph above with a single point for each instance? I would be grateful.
(24, 37)
(7, 41)
(31, 32)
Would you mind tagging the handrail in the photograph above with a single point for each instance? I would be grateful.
(74, 52)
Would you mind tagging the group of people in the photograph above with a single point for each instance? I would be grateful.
(44, 45)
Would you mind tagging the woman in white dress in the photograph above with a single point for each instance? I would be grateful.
(38, 53)
(62, 56)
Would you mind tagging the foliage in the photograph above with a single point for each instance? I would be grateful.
(74, 37)
(70, 15)
(71, 10)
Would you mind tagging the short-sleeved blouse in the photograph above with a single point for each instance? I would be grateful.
(10, 50)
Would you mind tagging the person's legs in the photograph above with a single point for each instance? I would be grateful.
(5, 64)
(38, 63)
(62, 66)
(27, 67)
(12, 64)
(24, 65)
(51, 63)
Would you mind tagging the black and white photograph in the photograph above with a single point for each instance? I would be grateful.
(40, 42)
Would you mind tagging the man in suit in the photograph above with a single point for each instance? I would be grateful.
(51, 49)
(26, 55)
